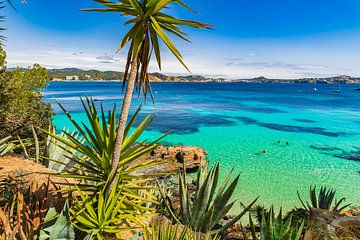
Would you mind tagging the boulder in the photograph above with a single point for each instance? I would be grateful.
(172, 158)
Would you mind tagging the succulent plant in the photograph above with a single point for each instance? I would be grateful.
(324, 200)
(210, 203)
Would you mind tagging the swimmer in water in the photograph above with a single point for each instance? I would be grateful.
(287, 143)
(263, 151)
(278, 141)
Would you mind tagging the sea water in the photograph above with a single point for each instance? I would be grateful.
(281, 138)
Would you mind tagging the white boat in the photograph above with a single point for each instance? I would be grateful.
(339, 88)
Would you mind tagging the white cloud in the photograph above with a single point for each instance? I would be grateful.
(206, 65)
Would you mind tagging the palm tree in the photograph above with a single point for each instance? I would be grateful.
(149, 24)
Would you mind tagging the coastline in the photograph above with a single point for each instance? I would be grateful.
(214, 81)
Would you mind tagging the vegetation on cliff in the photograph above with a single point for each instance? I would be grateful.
(21, 105)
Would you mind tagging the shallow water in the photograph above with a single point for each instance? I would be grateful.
(235, 122)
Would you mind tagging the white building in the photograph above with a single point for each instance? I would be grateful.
(72, 77)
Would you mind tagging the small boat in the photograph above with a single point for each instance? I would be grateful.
(98, 100)
(315, 87)
(339, 89)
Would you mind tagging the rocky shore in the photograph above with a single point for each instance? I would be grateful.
(170, 159)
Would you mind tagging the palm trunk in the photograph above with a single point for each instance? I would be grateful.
(122, 123)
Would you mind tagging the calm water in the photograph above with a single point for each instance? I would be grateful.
(234, 122)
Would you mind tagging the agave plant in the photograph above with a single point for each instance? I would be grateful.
(53, 151)
(103, 216)
(324, 200)
(276, 227)
(57, 226)
(208, 207)
(8, 145)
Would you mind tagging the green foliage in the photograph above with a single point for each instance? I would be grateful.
(208, 207)
(9, 146)
(51, 152)
(150, 24)
(103, 216)
(91, 158)
(175, 232)
(87, 163)
(324, 200)
(21, 105)
(277, 227)
(86, 74)
(57, 226)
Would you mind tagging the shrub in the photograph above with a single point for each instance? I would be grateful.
(21, 105)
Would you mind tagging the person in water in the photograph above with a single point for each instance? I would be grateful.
(264, 151)
(278, 141)
(287, 143)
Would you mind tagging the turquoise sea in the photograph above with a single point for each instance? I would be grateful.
(235, 122)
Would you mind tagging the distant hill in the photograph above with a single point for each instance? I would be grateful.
(80, 74)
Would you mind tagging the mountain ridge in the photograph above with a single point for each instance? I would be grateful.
(92, 74)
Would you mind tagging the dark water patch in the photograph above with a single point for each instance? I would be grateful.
(325, 148)
(185, 122)
(290, 128)
(304, 120)
(299, 129)
(349, 155)
(259, 109)
(246, 120)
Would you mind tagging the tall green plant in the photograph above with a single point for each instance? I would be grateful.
(274, 227)
(103, 216)
(149, 24)
(278, 228)
(175, 232)
(210, 203)
(91, 158)
(89, 166)
(324, 200)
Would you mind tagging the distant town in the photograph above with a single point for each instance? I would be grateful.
(74, 74)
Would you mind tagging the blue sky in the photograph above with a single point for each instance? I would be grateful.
(278, 38)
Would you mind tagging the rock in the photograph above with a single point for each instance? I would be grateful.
(322, 223)
(172, 158)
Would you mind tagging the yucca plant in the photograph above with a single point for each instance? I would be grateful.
(89, 166)
(150, 24)
(103, 216)
(210, 203)
(91, 158)
(324, 200)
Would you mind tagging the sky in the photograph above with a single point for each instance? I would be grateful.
(251, 38)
